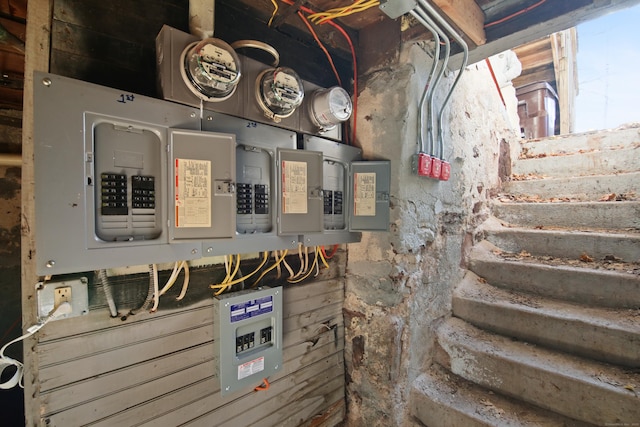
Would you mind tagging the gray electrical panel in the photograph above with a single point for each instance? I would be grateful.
(337, 193)
(101, 176)
(300, 204)
(256, 182)
(250, 330)
(203, 171)
(369, 205)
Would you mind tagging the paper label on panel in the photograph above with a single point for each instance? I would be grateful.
(253, 367)
(193, 193)
(364, 191)
(294, 187)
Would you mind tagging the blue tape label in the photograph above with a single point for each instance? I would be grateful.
(251, 308)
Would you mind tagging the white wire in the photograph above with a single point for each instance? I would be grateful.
(185, 266)
(156, 297)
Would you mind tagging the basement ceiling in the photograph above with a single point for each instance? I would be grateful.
(489, 27)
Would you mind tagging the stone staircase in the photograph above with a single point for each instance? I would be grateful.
(546, 323)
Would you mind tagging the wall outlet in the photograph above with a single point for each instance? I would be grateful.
(52, 294)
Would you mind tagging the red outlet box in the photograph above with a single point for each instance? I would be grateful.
(424, 164)
(445, 171)
(436, 168)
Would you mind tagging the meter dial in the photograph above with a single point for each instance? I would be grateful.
(330, 107)
(211, 69)
(279, 92)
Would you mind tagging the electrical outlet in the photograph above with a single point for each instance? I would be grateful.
(52, 294)
(61, 294)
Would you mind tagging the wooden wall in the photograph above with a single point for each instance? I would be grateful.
(158, 369)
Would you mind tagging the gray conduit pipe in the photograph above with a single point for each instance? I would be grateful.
(108, 294)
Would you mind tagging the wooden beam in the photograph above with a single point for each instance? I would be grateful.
(36, 59)
(467, 16)
(564, 47)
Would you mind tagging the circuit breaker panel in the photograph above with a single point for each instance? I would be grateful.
(250, 331)
(369, 205)
(101, 176)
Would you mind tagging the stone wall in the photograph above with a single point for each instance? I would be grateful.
(399, 283)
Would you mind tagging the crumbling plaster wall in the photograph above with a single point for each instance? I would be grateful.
(399, 283)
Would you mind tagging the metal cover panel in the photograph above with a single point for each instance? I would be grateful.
(337, 159)
(255, 142)
(66, 112)
(369, 204)
(306, 124)
(203, 171)
(300, 203)
(247, 314)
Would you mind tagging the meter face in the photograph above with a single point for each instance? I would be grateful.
(281, 91)
(212, 68)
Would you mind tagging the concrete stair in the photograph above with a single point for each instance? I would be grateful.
(545, 326)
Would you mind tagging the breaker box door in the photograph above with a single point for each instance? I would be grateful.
(370, 187)
(202, 191)
(301, 198)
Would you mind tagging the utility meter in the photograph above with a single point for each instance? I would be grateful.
(279, 92)
(330, 107)
(211, 69)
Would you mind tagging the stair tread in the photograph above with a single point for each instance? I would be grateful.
(579, 388)
(606, 334)
(468, 404)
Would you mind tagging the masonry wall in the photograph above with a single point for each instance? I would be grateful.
(400, 283)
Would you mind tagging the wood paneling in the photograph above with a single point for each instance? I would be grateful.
(161, 368)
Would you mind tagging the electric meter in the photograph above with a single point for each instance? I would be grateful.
(279, 92)
(330, 107)
(211, 69)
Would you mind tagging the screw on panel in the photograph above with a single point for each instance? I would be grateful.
(194, 251)
(50, 263)
(227, 388)
(209, 250)
(193, 115)
(277, 367)
(226, 304)
(209, 118)
(46, 81)
(83, 280)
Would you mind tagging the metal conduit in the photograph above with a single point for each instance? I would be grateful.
(11, 160)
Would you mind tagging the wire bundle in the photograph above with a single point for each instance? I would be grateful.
(339, 12)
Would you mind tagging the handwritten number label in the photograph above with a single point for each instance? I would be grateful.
(124, 98)
(252, 125)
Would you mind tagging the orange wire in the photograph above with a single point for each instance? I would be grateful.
(513, 15)
(324, 49)
(355, 65)
(334, 249)
(265, 387)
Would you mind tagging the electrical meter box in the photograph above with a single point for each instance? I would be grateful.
(257, 186)
(250, 334)
(355, 193)
(101, 176)
(301, 200)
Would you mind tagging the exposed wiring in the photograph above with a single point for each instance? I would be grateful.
(275, 10)
(6, 362)
(339, 12)
(323, 259)
(334, 249)
(156, 293)
(301, 258)
(495, 81)
(288, 267)
(310, 270)
(172, 278)
(224, 286)
(264, 386)
(277, 264)
(108, 294)
(324, 49)
(149, 297)
(513, 15)
(276, 254)
(185, 283)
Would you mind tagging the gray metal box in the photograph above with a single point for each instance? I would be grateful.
(371, 185)
(256, 177)
(75, 124)
(250, 336)
(300, 202)
(337, 192)
(203, 172)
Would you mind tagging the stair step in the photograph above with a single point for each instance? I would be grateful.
(624, 247)
(575, 284)
(583, 188)
(581, 164)
(441, 399)
(608, 335)
(584, 142)
(575, 215)
(576, 388)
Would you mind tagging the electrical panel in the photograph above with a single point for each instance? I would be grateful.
(257, 183)
(301, 198)
(336, 190)
(203, 172)
(369, 205)
(250, 334)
